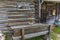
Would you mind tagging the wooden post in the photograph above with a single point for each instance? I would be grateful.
(22, 34)
(49, 33)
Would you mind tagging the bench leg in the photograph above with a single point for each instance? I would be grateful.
(22, 34)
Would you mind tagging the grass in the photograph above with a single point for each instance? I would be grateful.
(54, 37)
(35, 38)
(7, 37)
(56, 30)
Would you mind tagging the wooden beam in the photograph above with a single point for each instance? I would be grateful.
(53, 0)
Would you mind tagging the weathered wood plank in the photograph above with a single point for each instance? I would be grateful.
(31, 29)
(32, 35)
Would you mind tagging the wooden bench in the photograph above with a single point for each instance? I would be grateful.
(29, 31)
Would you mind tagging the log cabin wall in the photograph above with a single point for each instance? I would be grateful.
(17, 12)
